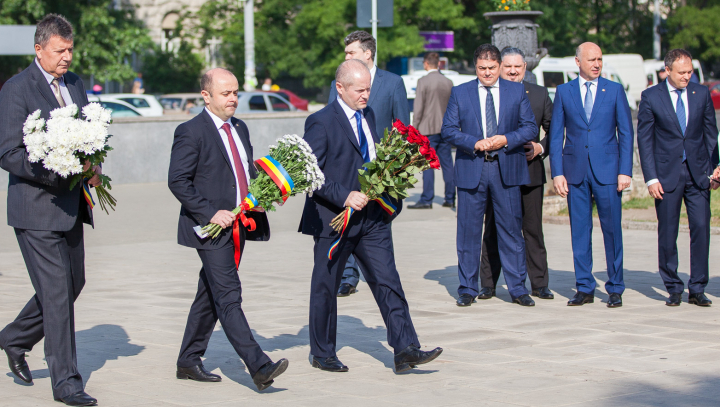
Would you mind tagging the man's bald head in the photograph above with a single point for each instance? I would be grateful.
(588, 57)
(351, 71)
(220, 89)
(586, 46)
(206, 82)
(352, 82)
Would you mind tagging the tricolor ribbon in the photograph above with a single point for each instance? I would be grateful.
(248, 204)
(278, 174)
(87, 194)
(384, 203)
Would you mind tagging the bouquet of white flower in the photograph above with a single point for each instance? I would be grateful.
(65, 142)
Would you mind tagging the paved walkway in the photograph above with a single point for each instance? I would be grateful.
(131, 315)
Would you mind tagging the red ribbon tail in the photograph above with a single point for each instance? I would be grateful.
(249, 223)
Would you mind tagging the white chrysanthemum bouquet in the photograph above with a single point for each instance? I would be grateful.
(65, 142)
(291, 168)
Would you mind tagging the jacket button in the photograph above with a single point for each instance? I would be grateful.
(233, 186)
(585, 146)
(588, 130)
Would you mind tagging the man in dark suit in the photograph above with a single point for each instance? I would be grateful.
(490, 121)
(431, 99)
(677, 138)
(388, 100)
(513, 69)
(210, 168)
(47, 215)
(591, 158)
(342, 136)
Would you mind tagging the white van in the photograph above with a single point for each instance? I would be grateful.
(631, 69)
(653, 66)
(411, 80)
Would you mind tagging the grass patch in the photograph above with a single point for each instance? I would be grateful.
(639, 203)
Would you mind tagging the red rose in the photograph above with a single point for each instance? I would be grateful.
(413, 139)
(434, 164)
(400, 127)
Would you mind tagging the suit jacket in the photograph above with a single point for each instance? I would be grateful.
(431, 100)
(661, 142)
(202, 179)
(462, 127)
(331, 137)
(605, 142)
(542, 108)
(37, 199)
(388, 100)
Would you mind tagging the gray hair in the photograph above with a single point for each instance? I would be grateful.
(510, 51)
(344, 74)
(207, 79)
(53, 25)
(367, 42)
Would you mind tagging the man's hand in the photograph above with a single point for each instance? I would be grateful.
(714, 185)
(623, 182)
(498, 142)
(532, 150)
(95, 180)
(716, 174)
(356, 200)
(656, 191)
(560, 185)
(483, 145)
(223, 218)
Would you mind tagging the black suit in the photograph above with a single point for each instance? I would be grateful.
(661, 144)
(201, 178)
(330, 135)
(532, 199)
(47, 217)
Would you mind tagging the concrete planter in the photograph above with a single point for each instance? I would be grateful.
(517, 29)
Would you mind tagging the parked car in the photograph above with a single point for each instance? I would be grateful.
(147, 105)
(295, 100)
(714, 93)
(117, 107)
(257, 102)
(181, 102)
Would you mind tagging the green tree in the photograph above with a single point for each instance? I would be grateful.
(696, 29)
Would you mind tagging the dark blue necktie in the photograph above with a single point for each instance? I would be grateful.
(363, 139)
(680, 112)
(588, 101)
(490, 119)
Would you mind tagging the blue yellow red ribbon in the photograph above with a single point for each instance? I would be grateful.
(87, 194)
(278, 174)
(346, 220)
(250, 202)
(386, 204)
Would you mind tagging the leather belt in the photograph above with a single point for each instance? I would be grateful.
(490, 158)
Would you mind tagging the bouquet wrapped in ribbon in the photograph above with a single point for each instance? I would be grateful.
(402, 153)
(66, 141)
(291, 168)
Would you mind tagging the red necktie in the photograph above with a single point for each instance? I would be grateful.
(242, 184)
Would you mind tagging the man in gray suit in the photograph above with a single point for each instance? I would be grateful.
(388, 100)
(431, 100)
(47, 216)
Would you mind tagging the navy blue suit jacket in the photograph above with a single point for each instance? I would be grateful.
(388, 100)
(462, 127)
(607, 139)
(661, 141)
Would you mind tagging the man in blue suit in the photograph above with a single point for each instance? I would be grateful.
(342, 137)
(489, 121)
(677, 138)
(388, 100)
(591, 116)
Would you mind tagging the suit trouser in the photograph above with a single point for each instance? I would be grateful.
(351, 273)
(56, 265)
(507, 204)
(697, 203)
(535, 253)
(219, 296)
(609, 207)
(371, 243)
(444, 153)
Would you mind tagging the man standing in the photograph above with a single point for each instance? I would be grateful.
(431, 99)
(513, 69)
(677, 138)
(489, 121)
(342, 136)
(388, 100)
(591, 157)
(211, 165)
(47, 215)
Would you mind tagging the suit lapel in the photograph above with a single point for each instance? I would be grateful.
(371, 124)
(503, 92)
(694, 108)
(575, 95)
(215, 135)
(345, 124)
(376, 85)
(474, 95)
(667, 103)
(245, 140)
(75, 94)
(599, 97)
(43, 86)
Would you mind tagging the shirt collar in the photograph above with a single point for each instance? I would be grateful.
(495, 85)
(582, 81)
(671, 87)
(218, 121)
(49, 78)
(349, 112)
(432, 70)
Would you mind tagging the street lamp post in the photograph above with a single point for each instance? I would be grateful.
(250, 79)
(375, 27)
(656, 30)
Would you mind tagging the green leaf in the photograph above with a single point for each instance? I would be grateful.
(413, 180)
(392, 193)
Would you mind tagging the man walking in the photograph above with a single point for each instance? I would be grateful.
(47, 215)
(677, 138)
(211, 165)
(431, 99)
(489, 121)
(513, 69)
(591, 157)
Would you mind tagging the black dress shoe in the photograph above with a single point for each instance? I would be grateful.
(465, 300)
(614, 300)
(345, 290)
(699, 299)
(581, 298)
(412, 356)
(420, 206)
(197, 373)
(674, 300)
(19, 367)
(331, 364)
(447, 204)
(264, 377)
(524, 300)
(543, 293)
(486, 293)
(78, 399)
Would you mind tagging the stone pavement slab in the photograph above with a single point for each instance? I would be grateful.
(140, 284)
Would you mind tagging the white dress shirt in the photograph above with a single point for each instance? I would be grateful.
(674, 99)
(583, 89)
(353, 123)
(373, 70)
(495, 90)
(64, 92)
(241, 149)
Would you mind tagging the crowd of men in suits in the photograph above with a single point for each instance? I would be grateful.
(493, 122)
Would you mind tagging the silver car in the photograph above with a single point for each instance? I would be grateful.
(257, 102)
